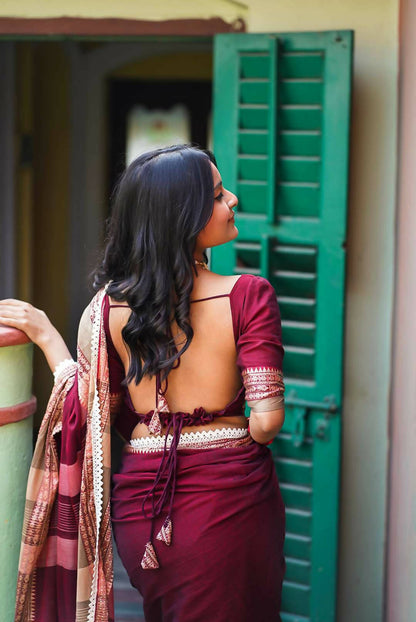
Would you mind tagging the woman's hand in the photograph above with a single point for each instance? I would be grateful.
(24, 316)
(37, 326)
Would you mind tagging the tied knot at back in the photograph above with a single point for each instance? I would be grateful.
(199, 417)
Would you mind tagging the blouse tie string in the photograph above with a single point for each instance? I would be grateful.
(167, 471)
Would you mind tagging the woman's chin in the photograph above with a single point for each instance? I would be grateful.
(231, 235)
(234, 232)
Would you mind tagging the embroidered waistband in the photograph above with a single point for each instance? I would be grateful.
(205, 439)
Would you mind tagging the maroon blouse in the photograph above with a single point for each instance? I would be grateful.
(257, 332)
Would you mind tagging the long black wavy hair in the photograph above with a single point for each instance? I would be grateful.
(160, 204)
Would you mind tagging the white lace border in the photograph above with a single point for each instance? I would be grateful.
(188, 440)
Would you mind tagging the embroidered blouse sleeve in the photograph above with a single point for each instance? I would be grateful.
(259, 344)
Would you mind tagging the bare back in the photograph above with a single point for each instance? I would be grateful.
(207, 375)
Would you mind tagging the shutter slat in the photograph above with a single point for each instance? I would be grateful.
(299, 497)
(252, 197)
(296, 598)
(252, 168)
(252, 142)
(300, 143)
(284, 446)
(254, 65)
(298, 521)
(303, 91)
(290, 617)
(302, 64)
(298, 570)
(300, 118)
(298, 309)
(298, 333)
(254, 92)
(253, 118)
(299, 365)
(294, 471)
(300, 169)
(298, 546)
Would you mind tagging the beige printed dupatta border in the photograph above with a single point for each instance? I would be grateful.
(91, 557)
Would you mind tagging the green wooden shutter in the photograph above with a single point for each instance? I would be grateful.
(281, 129)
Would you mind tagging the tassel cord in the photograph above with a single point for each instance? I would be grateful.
(168, 468)
(159, 475)
(163, 463)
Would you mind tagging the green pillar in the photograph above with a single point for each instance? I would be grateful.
(17, 406)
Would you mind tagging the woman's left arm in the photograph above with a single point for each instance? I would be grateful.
(37, 326)
(260, 357)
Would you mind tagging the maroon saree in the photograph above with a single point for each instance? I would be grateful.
(226, 560)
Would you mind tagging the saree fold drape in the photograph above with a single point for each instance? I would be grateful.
(225, 560)
(66, 565)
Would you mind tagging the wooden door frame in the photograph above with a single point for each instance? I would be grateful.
(116, 27)
(7, 172)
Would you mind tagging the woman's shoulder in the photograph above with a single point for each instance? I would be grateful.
(252, 299)
(212, 285)
(252, 285)
(228, 284)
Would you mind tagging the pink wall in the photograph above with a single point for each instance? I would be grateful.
(401, 561)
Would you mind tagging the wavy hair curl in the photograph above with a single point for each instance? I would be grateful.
(160, 204)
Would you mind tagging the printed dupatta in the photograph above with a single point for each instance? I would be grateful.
(66, 559)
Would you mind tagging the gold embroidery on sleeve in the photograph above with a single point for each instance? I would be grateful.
(262, 382)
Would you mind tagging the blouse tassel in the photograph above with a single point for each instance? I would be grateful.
(165, 533)
(149, 559)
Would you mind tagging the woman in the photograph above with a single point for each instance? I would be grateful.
(168, 353)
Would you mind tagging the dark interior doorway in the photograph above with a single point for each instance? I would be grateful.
(124, 95)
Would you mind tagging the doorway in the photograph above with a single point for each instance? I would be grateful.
(65, 128)
(74, 99)
(149, 114)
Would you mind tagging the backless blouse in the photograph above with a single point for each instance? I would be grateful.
(257, 333)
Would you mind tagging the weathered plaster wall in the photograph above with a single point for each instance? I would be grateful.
(229, 10)
(401, 579)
